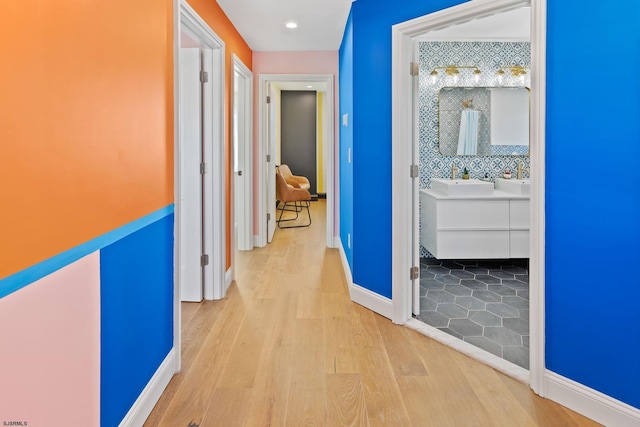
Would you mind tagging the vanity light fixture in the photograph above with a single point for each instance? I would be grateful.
(517, 71)
(454, 70)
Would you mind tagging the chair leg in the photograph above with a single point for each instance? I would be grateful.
(296, 208)
(302, 206)
(282, 211)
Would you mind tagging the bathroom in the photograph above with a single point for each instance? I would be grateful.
(481, 297)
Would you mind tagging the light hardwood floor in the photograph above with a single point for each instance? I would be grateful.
(287, 347)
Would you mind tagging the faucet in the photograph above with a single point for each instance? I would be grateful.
(454, 171)
(521, 169)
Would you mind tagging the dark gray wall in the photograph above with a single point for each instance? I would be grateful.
(298, 134)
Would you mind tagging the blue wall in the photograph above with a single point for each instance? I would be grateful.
(592, 194)
(136, 315)
(346, 139)
(592, 226)
(371, 127)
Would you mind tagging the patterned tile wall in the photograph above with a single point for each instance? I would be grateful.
(449, 108)
(489, 57)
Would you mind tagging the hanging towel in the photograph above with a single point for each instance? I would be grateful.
(468, 137)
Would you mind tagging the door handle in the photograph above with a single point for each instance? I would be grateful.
(239, 173)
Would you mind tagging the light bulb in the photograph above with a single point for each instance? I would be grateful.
(476, 75)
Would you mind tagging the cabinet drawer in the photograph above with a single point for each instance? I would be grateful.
(477, 244)
(519, 243)
(473, 214)
(519, 214)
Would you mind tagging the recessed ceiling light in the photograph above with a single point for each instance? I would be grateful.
(309, 86)
(292, 25)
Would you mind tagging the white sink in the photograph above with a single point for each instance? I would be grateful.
(517, 186)
(461, 187)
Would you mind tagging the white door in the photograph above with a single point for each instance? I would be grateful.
(191, 277)
(270, 167)
(242, 156)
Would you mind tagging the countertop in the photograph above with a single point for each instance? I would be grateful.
(497, 195)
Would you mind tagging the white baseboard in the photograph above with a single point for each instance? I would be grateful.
(143, 406)
(228, 278)
(345, 262)
(259, 242)
(336, 242)
(589, 402)
(374, 302)
(371, 300)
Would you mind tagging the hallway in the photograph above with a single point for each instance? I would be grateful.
(288, 347)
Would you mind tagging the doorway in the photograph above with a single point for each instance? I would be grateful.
(476, 289)
(405, 129)
(208, 164)
(269, 110)
(242, 157)
(200, 255)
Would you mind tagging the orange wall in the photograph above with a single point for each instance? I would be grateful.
(234, 43)
(86, 121)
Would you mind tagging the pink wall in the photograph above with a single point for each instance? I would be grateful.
(311, 62)
(50, 335)
(314, 62)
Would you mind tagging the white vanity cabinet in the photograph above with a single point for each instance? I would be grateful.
(519, 228)
(474, 227)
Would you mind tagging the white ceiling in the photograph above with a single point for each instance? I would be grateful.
(261, 23)
(321, 26)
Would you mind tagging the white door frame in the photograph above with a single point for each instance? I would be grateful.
(403, 40)
(271, 132)
(328, 147)
(242, 193)
(214, 200)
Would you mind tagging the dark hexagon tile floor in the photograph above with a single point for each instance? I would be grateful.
(484, 302)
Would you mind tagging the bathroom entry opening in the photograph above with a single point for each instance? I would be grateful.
(405, 38)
